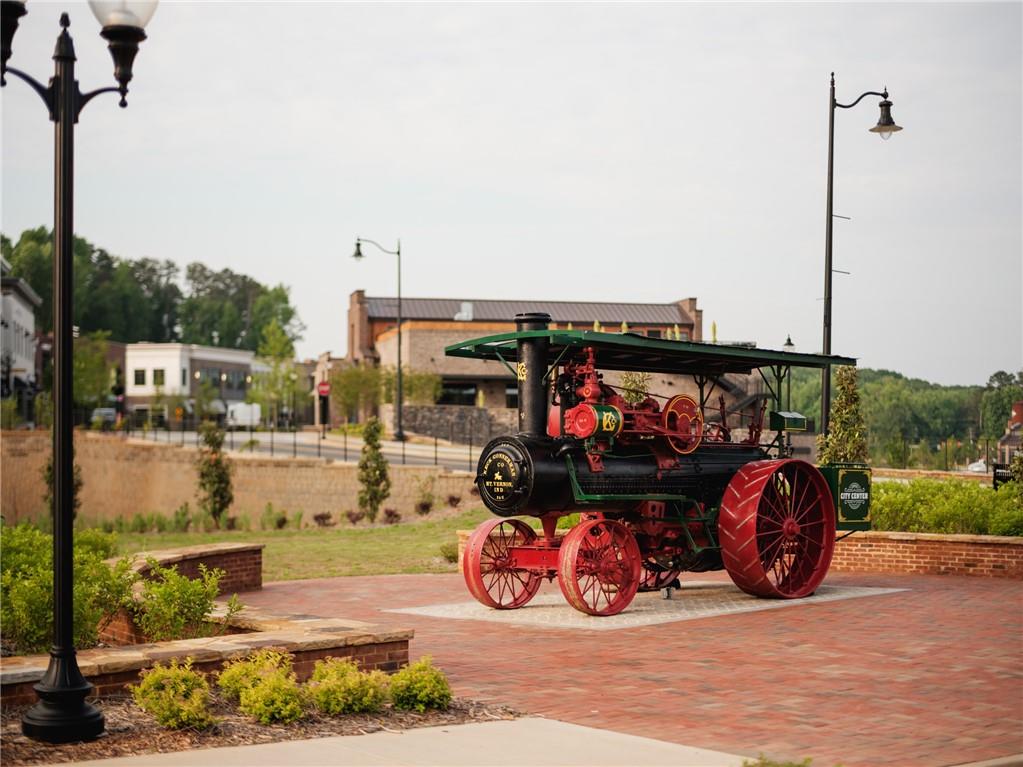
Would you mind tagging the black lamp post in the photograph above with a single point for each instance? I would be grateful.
(789, 347)
(357, 255)
(885, 128)
(62, 715)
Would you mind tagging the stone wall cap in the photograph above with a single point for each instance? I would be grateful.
(182, 553)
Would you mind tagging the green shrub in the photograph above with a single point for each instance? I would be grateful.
(245, 673)
(374, 482)
(215, 491)
(449, 551)
(763, 761)
(172, 606)
(176, 695)
(296, 520)
(26, 580)
(420, 686)
(274, 698)
(138, 524)
(945, 506)
(339, 687)
(181, 519)
(271, 519)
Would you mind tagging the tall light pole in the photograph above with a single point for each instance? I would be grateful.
(357, 255)
(62, 715)
(885, 128)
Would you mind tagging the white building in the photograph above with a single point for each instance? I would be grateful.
(18, 345)
(172, 372)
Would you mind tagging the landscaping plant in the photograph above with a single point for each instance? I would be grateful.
(245, 673)
(176, 695)
(276, 697)
(215, 492)
(172, 606)
(425, 497)
(947, 506)
(846, 441)
(76, 485)
(26, 580)
(374, 483)
(420, 686)
(338, 686)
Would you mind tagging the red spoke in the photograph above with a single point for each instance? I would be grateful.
(808, 509)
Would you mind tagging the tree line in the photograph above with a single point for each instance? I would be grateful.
(913, 422)
(142, 300)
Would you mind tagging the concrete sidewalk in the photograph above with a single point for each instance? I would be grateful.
(530, 741)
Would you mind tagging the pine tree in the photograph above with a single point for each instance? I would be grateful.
(375, 484)
(847, 439)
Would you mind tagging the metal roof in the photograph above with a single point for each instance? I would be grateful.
(576, 312)
(628, 351)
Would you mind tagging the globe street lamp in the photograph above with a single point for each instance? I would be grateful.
(62, 715)
(357, 255)
(885, 128)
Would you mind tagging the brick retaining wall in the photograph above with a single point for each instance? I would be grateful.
(127, 477)
(990, 556)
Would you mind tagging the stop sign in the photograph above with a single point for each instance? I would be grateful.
(323, 388)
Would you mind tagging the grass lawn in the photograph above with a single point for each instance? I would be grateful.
(328, 552)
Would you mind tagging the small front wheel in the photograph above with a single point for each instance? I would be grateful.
(489, 566)
(599, 567)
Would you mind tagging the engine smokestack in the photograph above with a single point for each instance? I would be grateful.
(530, 372)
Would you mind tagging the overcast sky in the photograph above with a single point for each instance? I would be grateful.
(641, 152)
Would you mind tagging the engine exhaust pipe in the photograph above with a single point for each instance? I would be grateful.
(530, 372)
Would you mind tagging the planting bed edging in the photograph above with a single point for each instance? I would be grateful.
(242, 563)
(874, 551)
(308, 638)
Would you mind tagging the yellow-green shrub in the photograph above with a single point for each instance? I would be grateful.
(245, 673)
(274, 698)
(175, 695)
(339, 687)
(946, 506)
(420, 686)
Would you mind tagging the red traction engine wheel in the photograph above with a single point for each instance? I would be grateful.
(599, 567)
(777, 528)
(489, 565)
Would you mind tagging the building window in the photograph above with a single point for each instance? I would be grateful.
(457, 393)
(653, 333)
(158, 377)
(511, 396)
(684, 335)
(184, 378)
(140, 377)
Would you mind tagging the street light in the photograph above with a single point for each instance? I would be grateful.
(788, 348)
(62, 715)
(885, 128)
(357, 255)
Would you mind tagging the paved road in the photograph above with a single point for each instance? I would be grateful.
(307, 444)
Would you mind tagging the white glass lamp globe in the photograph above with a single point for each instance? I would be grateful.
(123, 13)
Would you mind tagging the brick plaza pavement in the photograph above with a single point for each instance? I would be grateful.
(928, 676)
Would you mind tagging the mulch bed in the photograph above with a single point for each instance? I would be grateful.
(131, 731)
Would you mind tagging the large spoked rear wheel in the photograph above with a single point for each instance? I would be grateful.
(777, 529)
(489, 566)
(599, 567)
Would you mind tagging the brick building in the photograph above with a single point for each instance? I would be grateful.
(430, 324)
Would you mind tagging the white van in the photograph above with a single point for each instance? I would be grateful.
(242, 415)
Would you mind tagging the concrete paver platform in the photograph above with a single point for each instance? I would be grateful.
(931, 675)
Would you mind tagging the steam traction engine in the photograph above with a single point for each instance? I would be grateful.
(661, 487)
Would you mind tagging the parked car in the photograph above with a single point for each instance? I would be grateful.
(978, 466)
(104, 418)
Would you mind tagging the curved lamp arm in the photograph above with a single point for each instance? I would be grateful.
(379, 246)
(883, 94)
(46, 94)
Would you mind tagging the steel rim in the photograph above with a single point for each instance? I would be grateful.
(777, 529)
(489, 565)
(599, 567)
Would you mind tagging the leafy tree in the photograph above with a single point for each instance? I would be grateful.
(635, 386)
(275, 387)
(356, 388)
(215, 491)
(375, 484)
(847, 439)
(91, 371)
(418, 387)
(996, 402)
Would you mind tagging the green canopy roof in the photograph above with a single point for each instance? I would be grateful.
(628, 351)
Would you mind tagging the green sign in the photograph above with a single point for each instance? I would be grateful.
(851, 490)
